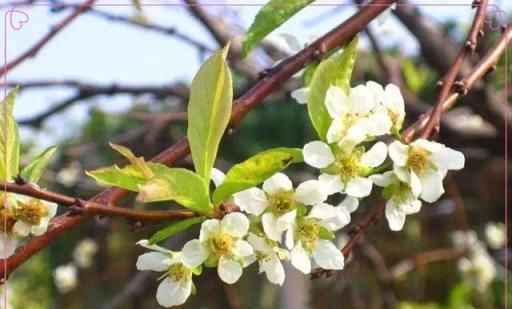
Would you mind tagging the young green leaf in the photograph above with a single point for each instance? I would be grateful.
(335, 71)
(271, 16)
(35, 169)
(128, 177)
(209, 110)
(180, 185)
(138, 163)
(9, 139)
(255, 170)
(174, 228)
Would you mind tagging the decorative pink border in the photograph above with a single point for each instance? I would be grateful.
(16, 18)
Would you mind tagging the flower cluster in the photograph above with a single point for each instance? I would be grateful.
(25, 216)
(280, 222)
(477, 267)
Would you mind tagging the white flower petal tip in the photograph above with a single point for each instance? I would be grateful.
(310, 192)
(229, 271)
(236, 224)
(277, 183)
(327, 255)
(300, 95)
(318, 154)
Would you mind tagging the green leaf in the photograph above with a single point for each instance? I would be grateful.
(174, 228)
(271, 16)
(9, 139)
(35, 169)
(335, 71)
(138, 163)
(128, 177)
(180, 185)
(326, 234)
(255, 170)
(209, 110)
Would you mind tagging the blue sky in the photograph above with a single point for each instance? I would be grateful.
(92, 49)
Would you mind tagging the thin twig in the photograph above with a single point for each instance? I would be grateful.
(448, 80)
(337, 37)
(32, 52)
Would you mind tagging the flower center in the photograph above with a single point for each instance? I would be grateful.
(401, 192)
(307, 233)
(32, 212)
(179, 272)
(347, 165)
(282, 202)
(394, 117)
(348, 121)
(417, 159)
(220, 244)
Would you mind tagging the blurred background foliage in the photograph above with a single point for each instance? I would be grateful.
(113, 282)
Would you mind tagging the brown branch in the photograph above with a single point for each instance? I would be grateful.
(32, 52)
(453, 193)
(421, 259)
(78, 206)
(448, 80)
(337, 37)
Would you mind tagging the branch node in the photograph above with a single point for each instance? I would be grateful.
(475, 4)
(75, 210)
(470, 46)
(439, 84)
(19, 180)
(481, 33)
(461, 87)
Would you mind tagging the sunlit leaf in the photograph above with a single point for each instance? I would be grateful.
(35, 169)
(177, 184)
(335, 71)
(271, 16)
(138, 163)
(9, 139)
(255, 170)
(209, 110)
(174, 228)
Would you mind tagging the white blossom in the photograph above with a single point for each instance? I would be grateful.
(65, 277)
(478, 270)
(354, 117)
(84, 252)
(402, 198)
(68, 176)
(176, 285)
(425, 162)
(309, 238)
(389, 101)
(496, 235)
(221, 244)
(277, 203)
(32, 215)
(8, 243)
(269, 256)
(348, 170)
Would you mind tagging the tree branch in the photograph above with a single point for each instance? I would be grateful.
(448, 80)
(337, 37)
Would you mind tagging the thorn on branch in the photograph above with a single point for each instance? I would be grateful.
(75, 210)
(475, 4)
(481, 33)
(318, 54)
(439, 84)
(354, 230)
(470, 46)
(19, 180)
(460, 87)
(264, 73)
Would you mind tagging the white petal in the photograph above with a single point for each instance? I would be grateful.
(359, 187)
(332, 218)
(376, 124)
(431, 186)
(285, 221)
(243, 249)
(336, 130)
(322, 211)
(229, 271)
(217, 176)
(273, 269)
(361, 99)
(209, 227)
(152, 261)
(355, 135)
(300, 95)
(448, 159)
(398, 153)
(41, 228)
(252, 201)
(193, 253)
(415, 184)
(412, 207)
(428, 145)
(403, 173)
(277, 183)
(393, 99)
(376, 89)
(395, 216)
(300, 259)
(318, 154)
(327, 255)
(270, 227)
(173, 293)
(375, 156)
(21, 229)
(349, 203)
(51, 209)
(258, 243)
(289, 241)
(310, 192)
(383, 180)
(235, 224)
(331, 183)
(145, 243)
(7, 245)
(336, 102)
